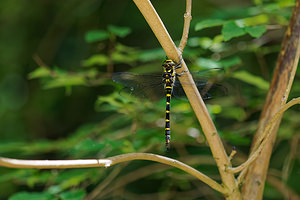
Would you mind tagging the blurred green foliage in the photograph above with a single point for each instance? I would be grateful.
(58, 101)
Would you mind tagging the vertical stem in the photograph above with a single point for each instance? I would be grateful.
(278, 93)
(186, 26)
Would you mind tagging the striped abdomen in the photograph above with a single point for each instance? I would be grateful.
(169, 80)
(168, 89)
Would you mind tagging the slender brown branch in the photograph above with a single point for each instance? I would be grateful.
(278, 93)
(62, 164)
(194, 97)
(232, 154)
(265, 137)
(186, 26)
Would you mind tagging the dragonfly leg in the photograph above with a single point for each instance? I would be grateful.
(179, 75)
(179, 64)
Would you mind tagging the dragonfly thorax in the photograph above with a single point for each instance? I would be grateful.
(169, 71)
(168, 65)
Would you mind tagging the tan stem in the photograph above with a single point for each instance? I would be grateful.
(186, 26)
(194, 97)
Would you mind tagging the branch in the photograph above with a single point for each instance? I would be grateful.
(87, 163)
(186, 26)
(265, 137)
(277, 95)
(146, 171)
(193, 95)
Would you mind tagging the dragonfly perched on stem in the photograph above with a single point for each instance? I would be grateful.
(167, 84)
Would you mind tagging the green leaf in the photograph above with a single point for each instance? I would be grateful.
(96, 36)
(231, 30)
(236, 113)
(89, 145)
(98, 59)
(230, 62)
(39, 72)
(65, 81)
(207, 63)
(54, 189)
(286, 3)
(256, 31)
(152, 54)
(119, 31)
(252, 79)
(73, 195)
(31, 196)
(72, 178)
(235, 138)
(40, 178)
(114, 143)
(255, 20)
(208, 23)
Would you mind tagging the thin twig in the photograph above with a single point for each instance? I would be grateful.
(232, 154)
(63, 164)
(266, 136)
(186, 27)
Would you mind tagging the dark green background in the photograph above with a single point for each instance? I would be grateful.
(39, 123)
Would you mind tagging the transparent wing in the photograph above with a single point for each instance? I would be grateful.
(133, 80)
(206, 89)
(145, 86)
(207, 83)
(152, 86)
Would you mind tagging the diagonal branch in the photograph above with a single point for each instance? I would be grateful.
(87, 163)
(193, 95)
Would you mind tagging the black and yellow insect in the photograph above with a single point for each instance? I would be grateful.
(145, 85)
(169, 78)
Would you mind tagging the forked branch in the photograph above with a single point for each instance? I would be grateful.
(265, 137)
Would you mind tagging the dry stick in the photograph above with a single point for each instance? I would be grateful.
(278, 93)
(265, 137)
(194, 97)
(63, 164)
(186, 26)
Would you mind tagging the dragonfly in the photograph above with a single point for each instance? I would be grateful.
(167, 85)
